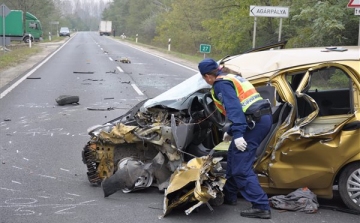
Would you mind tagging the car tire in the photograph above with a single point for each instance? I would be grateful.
(27, 38)
(67, 99)
(350, 177)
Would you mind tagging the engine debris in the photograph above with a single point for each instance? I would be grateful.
(124, 60)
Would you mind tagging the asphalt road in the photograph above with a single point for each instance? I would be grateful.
(42, 177)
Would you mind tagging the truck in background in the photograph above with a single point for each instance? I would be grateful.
(17, 30)
(105, 28)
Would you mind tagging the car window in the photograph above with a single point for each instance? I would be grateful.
(330, 87)
(327, 79)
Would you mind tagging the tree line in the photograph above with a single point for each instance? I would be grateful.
(223, 24)
(227, 26)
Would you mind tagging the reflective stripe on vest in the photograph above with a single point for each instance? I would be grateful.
(245, 91)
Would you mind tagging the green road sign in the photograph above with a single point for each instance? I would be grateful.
(205, 48)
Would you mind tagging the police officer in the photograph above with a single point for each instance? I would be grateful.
(251, 119)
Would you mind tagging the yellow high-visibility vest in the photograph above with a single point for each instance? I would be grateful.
(245, 91)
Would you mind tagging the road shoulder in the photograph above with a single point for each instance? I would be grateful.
(9, 75)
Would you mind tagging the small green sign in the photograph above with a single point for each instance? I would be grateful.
(205, 48)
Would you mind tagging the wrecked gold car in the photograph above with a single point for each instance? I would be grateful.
(314, 141)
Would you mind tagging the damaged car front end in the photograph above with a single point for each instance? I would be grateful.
(147, 144)
(314, 140)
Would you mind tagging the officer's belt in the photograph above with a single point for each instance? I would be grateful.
(255, 116)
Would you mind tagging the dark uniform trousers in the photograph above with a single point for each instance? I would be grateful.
(239, 173)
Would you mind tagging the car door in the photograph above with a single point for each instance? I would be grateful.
(311, 152)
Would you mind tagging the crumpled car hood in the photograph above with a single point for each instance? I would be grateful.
(175, 97)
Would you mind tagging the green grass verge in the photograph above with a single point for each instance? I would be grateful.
(18, 53)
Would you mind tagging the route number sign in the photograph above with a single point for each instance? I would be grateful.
(205, 48)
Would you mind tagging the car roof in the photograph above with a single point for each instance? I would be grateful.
(266, 63)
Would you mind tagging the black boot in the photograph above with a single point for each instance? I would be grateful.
(256, 213)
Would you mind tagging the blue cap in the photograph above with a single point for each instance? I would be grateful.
(207, 65)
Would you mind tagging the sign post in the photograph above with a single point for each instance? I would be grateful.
(55, 23)
(355, 4)
(205, 48)
(30, 37)
(4, 12)
(268, 11)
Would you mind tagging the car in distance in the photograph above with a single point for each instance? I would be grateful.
(314, 141)
(64, 31)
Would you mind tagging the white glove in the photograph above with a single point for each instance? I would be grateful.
(240, 144)
(227, 137)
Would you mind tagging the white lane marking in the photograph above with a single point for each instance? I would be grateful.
(137, 89)
(156, 55)
(6, 91)
(64, 169)
(43, 196)
(76, 195)
(47, 176)
(17, 167)
(12, 190)
(119, 68)
(26, 159)
(15, 182)
(111, 59)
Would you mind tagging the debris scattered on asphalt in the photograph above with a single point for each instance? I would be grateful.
(67, 99)
(33, 78)
(124, 60)
(101, 109)
(83, 72)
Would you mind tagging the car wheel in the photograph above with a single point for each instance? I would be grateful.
(26, 39)
(349, 186)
